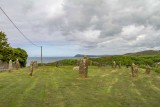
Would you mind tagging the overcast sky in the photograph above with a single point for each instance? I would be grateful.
(69, 27)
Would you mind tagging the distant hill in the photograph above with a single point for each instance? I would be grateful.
(80, 55)
(146, 52)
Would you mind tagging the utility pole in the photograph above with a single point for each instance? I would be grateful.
(41, 55)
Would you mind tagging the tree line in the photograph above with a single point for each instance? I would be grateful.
(8, 53)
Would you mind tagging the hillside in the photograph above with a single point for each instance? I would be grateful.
(89, 56)
(146, 52)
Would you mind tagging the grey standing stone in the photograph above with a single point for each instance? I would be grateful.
(134, 69)
(17, 64)
(10, 66)
(57, 64)
(35, 64)
(148, 69)
(114, 64)
(31, 69)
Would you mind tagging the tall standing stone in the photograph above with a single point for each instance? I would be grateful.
(99, 64)
(147, 69)
(120, 65)
(83, 67)
(35, 64)
(10, 66)
(57, 64)
(31, 69)
(132, 66)
(114, 64)
(134, 69)
(17, 64)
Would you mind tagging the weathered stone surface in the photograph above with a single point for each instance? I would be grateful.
(83, 68)
(134, 70)
(114, 64)
(99, 64)
(76, 68)
(120, 65)
(10, 66)
(35, 64)
(148, 69)
(17, 64)
(57, 64)
(31, 69)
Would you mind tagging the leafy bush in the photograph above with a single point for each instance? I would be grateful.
(9, 53)
(156, 70)
(1, 57)
(64, 62)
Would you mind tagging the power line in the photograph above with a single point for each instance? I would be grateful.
(17, 28)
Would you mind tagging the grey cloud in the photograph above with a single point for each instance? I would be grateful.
(104, 21)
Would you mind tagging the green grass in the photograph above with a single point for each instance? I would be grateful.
(59, 87)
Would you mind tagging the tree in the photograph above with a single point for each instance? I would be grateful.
(3, 44)
(3, 40)
(8, 53)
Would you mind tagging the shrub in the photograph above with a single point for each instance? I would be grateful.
(1, 57)
(156, 70)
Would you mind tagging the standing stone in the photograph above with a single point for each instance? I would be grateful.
(35, 64)
(91, 63)
(83, 67)
(10, 66)
(114, 64)
(31, 69)
(57, 64)
(134, 69)
(147, 69)
(17, 64)
(120, 65)
(99, 64)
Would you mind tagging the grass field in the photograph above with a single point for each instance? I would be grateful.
(105, 87)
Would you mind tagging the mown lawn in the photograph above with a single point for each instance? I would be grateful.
(59, 87)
